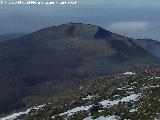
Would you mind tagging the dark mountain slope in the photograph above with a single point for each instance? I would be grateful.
(46, 61)
(149, 45)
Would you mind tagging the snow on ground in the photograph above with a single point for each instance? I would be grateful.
(133, 110)
(105, 104)
(101, 111)
(88, 97)
(119, 89)
(108, 103)
(81, 88)
(157, 77)
(154, 86)
(102, 118)
(154, 78)
(116, 95)
(128, 73)
(146, 87)
(134, 83)
(75, 110)
(131, 88)
(15, 115)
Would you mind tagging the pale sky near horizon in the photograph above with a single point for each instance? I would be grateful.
(133, 18)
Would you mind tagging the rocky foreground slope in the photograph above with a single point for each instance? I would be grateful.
(130, 96)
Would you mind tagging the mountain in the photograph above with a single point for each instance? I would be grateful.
(11, 36)
(46, 62)
(133, 96)
(149, 45)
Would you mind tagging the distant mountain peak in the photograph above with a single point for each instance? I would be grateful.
(86, 30)
(79, 24)
(76, 30)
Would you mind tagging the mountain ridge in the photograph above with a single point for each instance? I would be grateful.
(152, 46)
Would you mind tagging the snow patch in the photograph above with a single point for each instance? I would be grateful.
(129, 73)
(157, 77)
(88, 118)
(119, 89)
(15, 115)
(154, 78)
(131, 97)
(133, 110)
(75, 110)
(116, 95)
(131, 88)
(108, 103)
(102, 118)
(146, 87)
(100, 111)
(134, 83)
(81, 88)
(88, 97)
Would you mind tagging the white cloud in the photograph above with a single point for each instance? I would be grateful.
(137, 26)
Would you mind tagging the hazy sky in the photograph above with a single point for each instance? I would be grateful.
(133, 18)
